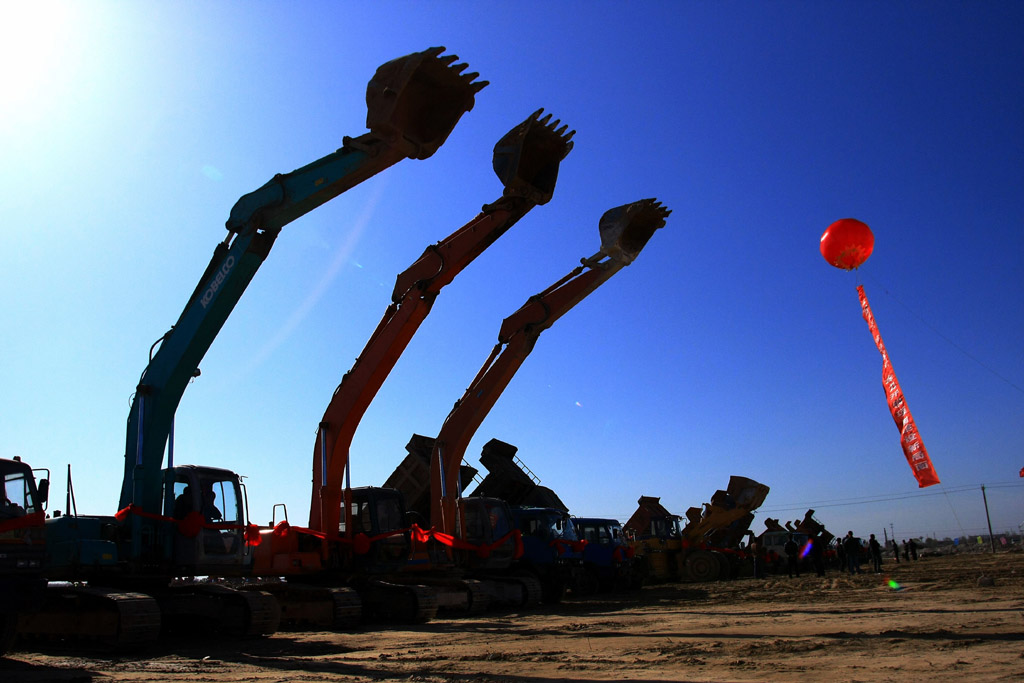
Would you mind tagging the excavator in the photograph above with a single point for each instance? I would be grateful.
(335, 567)
(188, 520)
(706, 547)
(22, 545)
(474, 537)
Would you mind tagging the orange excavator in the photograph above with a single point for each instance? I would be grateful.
(476, 534)
(356, 536)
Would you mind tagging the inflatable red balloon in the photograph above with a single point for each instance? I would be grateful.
(847, 243)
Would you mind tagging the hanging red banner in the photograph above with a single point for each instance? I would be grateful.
(910, 439)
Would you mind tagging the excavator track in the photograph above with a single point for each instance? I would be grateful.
(348, 608)
(513, 591)
(305, 607)
(401, 603)
(118, 619)
(533, 590)
(219, 609)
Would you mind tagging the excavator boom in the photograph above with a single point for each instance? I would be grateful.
(526, 161)
(624, 233)
(413, 104)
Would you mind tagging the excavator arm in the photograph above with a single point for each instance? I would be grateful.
(624, 233)
(413, 104)
(526, 161)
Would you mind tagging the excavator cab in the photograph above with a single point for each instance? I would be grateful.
(22, 545)
(486, 523)
(208, 533)
(378, 514)
(418, 99)
(625, 230)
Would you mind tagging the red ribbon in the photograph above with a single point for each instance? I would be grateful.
(619, 553)
(563, 546)
(35, 519)
(483, 550)
(192, 523)
(360, 543)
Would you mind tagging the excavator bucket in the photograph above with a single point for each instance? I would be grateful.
(526, 159)
(625, 230)
(419, 98)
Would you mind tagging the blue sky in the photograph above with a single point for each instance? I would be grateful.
(729, 347)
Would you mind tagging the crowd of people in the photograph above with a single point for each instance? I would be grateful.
(848, 554)
(851, 553)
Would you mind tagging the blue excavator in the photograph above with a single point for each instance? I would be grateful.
(122, 579)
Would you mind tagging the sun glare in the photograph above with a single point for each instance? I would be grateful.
(33, 38)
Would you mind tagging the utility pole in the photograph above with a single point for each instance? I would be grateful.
(991, 538)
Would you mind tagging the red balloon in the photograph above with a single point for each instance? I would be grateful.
(847, 243)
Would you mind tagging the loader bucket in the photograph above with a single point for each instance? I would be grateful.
(625, 230)
(418, 99)
(747, 493)
(526, 159)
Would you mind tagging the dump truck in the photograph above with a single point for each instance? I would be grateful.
(551, 550)
(608, 559)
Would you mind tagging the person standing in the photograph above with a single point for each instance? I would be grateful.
(906, 550)
(756, 553)
(913, 549)
(792, 557)
(875, 548)
(851, 548)
(896, 551)
(817, 555)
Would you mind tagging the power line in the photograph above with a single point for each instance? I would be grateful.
(944, 337)
(885, 498)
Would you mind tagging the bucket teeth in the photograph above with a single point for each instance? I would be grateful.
(655, 206)
(553, 127)
(448, 60)
(526, 159)
(416, 100)
(625, 230)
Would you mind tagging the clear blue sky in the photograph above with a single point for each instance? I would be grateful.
(729, 347)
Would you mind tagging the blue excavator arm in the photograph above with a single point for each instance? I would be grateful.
(413, 104)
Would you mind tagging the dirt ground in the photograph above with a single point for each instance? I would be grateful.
(931, 619)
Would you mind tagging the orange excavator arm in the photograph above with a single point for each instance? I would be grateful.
(624, 233)
(526, 160)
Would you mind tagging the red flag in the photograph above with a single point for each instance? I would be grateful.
(910, 439)
(1022, 471)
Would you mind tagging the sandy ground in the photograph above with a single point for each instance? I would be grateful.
(940, 623)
